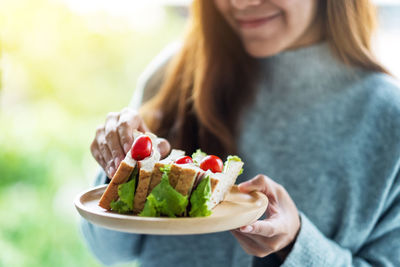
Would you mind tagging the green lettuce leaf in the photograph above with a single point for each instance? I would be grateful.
(164, 199)
(126, 193)
(120, 207)
(198, 155)
(200, 199)
(150, 207)
(232, 158)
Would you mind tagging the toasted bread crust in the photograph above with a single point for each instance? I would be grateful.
(186, 181)
(174, 175)
(141, 190)
(155, 177)
(181, 179)
(111, 193)
(214, 183)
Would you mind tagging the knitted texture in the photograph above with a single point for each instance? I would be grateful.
(327, 132)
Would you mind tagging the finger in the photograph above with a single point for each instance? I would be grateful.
(264, 245)
(106, 154)
(112, 138)
(125, 128)
(249, 245)
(260, 183)
(94, 148)
(243, 239)
(142, 125)
(133, 116)
(163, 147)
(266, 228)
(128, 121)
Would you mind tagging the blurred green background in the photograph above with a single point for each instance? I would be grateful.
(64, 66)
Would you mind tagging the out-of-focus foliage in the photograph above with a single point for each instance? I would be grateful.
(64, 65)
(62, 72)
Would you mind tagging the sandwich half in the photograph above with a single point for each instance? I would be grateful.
(233, 167)
(146, 167)
(157, 173)
(126, 169)
(186, 189)
(168, 187)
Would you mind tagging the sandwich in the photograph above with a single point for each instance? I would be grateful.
(176, 186)
(142, 153)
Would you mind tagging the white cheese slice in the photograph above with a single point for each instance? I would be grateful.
(226, 180)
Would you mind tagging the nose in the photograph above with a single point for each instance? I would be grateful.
(242, 4)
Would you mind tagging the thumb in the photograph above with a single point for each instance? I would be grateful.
(267, 228)
(163, 147)
(258, 183)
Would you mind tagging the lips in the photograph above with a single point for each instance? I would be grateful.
(256, 22)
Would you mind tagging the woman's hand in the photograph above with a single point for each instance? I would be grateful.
(279, 230)
(114, 139)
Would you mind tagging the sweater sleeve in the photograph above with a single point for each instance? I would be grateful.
(110, 246)
(382, 248)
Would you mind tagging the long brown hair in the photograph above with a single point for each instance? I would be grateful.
(209, 81)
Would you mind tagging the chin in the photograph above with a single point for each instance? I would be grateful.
(264, 49)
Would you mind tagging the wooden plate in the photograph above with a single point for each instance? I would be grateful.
(236, 210)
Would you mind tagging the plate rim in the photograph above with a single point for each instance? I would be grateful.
(81, 208)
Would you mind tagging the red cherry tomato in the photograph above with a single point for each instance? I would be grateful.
(212, 163)
(184, 160)
(141, 148)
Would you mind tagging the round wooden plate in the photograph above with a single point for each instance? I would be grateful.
(236, 210)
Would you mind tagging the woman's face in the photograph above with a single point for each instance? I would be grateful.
(267, 27)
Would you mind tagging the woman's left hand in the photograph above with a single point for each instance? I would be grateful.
(279, 230)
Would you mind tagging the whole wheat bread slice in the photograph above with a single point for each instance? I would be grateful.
(121, 176)
(187, 177)
(141, 191)
(146, 168)
(157, 174)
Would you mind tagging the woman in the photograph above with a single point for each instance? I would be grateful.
(292, 87)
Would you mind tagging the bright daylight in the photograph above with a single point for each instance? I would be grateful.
(199, 133)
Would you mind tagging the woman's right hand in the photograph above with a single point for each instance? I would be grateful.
(114, 139)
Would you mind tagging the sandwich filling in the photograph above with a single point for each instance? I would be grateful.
(167, 188)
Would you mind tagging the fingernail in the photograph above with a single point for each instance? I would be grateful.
(246, 229)
(126, 148)
(111, 171)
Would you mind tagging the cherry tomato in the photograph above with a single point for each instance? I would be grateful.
(184, 160)
(212, 163)
(141, 147)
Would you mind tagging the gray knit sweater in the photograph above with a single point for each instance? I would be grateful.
(330, 134)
